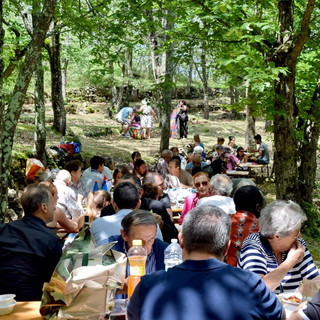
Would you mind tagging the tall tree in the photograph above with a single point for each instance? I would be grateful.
(13, 110)
(54, 51)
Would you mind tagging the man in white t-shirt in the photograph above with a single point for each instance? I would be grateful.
(220, 189)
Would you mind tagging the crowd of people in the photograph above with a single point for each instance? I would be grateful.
(238, 252)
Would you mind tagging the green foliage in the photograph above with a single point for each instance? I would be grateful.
(312, 225)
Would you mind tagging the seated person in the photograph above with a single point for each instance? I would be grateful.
(201, 184)
(184, 177)
(140, 168)
(220, 188)
(175, 153)
(240, 155)
(158, 180)
(141, 224)
(118, 172)
(125, 199)
(198, 142)
(67, 200)
(203, 287)
(248, 201)
(195, 162)
(231, 144)
(263, 156)
(94, 173)
(278, 253)
(60, 220)
(308, 310)
(29, 250)
(218, 166)
(77, 185)
(216, 153)
(97, 200)
(231, 161)
(136, 155)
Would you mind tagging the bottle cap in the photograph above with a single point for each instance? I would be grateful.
(137, 242)
(174, 240)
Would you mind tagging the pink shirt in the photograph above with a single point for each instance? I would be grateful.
(189, 204)
(232, 163)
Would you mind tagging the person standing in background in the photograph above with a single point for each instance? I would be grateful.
(146, 118)
(182, 118)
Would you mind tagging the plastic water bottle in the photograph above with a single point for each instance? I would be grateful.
(137, 256)
(172, 254)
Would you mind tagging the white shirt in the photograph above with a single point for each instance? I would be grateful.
(67, 201)
(223, 202)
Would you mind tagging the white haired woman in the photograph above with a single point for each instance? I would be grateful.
(278, 253)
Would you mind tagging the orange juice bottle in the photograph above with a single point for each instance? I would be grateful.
(137, 256)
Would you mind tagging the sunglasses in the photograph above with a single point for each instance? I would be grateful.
(198, 184)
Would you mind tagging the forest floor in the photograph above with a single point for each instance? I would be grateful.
(97, 140)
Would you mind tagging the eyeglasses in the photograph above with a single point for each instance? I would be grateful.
(198, 184)
(297, 236)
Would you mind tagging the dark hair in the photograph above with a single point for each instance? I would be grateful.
(134, 154)
(249, 198)
(206, 229)
(73, 165)
(238, 150)
(96, 161)
(137, 217)
(176, 158)
(176, 162)
(122, 168)
(174, 148)
(33, 196)
(257, 137)
(195, 170)
(220, 139)
(131, 176)
(126, 195)
(231, 138)
(138, 163)
(150, 190)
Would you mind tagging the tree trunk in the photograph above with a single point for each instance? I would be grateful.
(189, 81)
(308, 148)
(17, 98)
(285, 56)
(166, 85)
(286, 154)
(59, 112)
(40, 118)
(205, 86)
(250, 123)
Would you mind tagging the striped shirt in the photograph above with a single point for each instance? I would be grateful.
(256, 256)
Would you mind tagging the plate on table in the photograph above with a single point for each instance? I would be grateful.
(292, 298)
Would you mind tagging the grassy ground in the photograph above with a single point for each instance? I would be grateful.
(91, 130)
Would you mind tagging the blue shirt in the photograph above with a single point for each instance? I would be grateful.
(155, 259)
(203, 290)
(107, 226)
(123, 114)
